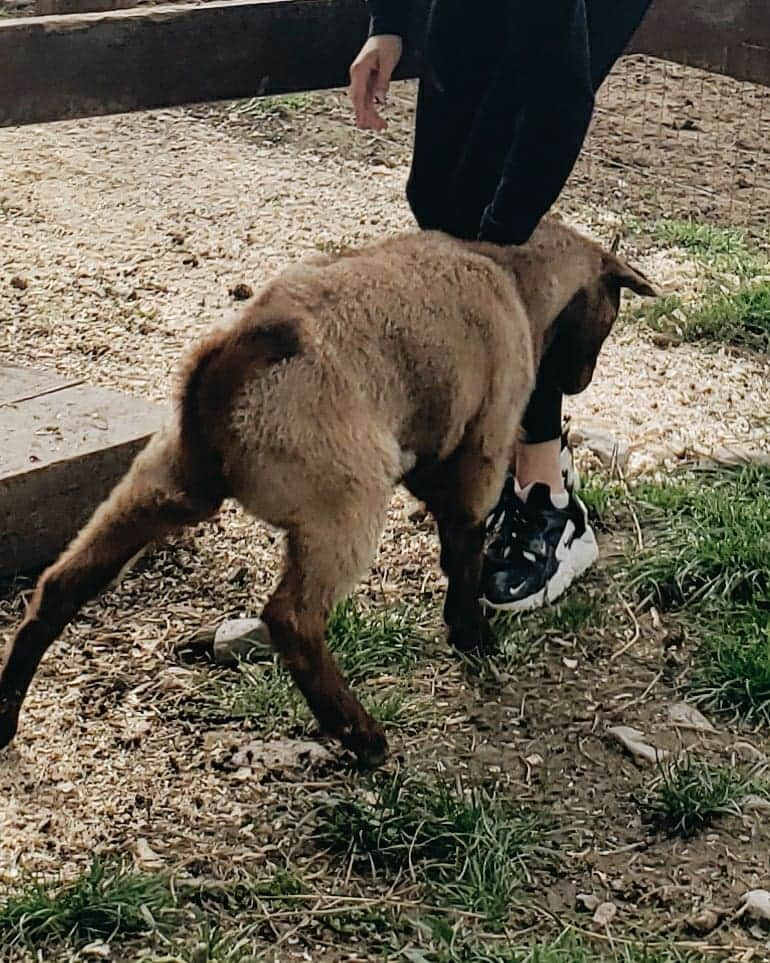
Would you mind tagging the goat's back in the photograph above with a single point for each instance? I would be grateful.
(399, 344)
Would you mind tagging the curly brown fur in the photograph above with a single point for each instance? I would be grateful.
(409, 360)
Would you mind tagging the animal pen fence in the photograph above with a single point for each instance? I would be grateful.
(694, 138)
(702, 145)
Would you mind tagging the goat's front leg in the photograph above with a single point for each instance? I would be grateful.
(462, 546)
(319, 571)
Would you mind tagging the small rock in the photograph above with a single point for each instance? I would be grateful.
(738, 455)
(755, 804)
(20, 283)
(98, 949)
(608, 448)
(756, 905)
(633, 741)
(684, 716)
(705, 920)
(238, 639)
(278, 754)
(588, 901)
(241, 292)
(146, 856)
(605, 914)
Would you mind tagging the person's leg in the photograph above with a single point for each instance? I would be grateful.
(540, 538)
(456, 84)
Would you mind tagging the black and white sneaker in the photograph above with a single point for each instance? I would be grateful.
(537, 545)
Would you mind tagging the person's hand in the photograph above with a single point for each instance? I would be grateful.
(370, 75)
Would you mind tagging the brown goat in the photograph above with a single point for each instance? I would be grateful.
(407, 361)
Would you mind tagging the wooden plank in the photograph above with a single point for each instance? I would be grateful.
(19, 384)
(47, 8)
(60, 454)
(724, 36)
(52, 68)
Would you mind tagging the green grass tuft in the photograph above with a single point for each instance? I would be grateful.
(278, 105)
(465, 846)
(691, 793)
(735, 308)
(700, 238)
(709, 537)
(740, 317)
(732, 666)
(106, 900)
(367, 645)
(725, 250)
(565, 949)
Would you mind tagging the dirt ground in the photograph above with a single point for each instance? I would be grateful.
(130, 232)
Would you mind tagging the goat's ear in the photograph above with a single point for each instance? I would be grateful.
(628, 277)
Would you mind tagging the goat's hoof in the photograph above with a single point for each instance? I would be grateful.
(9, 721)
(471, 639)
(370, 747)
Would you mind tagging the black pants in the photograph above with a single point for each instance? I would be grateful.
(505, 100)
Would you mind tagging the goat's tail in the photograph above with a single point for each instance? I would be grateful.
(215, 372)
(176, 481)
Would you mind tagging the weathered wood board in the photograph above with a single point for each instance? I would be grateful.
(81, 65)
(63, 446)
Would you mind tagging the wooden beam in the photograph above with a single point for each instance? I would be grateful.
(724, 36)
(63, 446)
(59, 67)
(47, 8)
(53, 68)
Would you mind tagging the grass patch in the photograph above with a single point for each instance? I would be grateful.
(732, 667)
(519, 638)
(725, 250)
(710, 539)
(281, 105)
(691, 793)
(106, 900)
(466, 846)
(565, 949)
(367, 645)
(707, 556)
(264, 693)
(735, 308)
(724, 246)
(740, 317)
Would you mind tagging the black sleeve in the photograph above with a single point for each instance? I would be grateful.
(389, 16)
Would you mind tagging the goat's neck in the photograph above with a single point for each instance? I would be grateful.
(548, 281)
(547, 284)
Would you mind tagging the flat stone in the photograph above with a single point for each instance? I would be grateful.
(237, 640)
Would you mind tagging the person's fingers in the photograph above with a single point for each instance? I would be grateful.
(359, 82)
(374, 119)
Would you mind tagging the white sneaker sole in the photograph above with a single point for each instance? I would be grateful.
(574, 561)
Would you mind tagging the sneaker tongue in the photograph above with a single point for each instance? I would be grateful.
(538, 496)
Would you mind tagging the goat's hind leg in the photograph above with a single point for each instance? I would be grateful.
(149, 503)
(324, 561)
